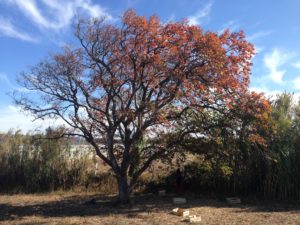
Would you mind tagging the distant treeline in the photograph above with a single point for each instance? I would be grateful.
(232, 161)
(41, 162)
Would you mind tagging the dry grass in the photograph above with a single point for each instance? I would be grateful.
(72, 208)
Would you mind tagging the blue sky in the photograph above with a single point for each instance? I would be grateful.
(31, 29)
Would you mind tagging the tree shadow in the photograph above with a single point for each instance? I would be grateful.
(271, 206)
(99, 205)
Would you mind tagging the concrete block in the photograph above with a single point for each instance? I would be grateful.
(233, 200)
(192, 219)
(179, 200)
(162, 193)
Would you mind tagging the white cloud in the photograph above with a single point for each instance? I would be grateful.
(8, 29)
(12, 118)
(202, 14)
(273, 61)
(258, 35)
(272, 94)
(57, 14)
(268, 93)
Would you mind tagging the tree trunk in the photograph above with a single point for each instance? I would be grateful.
(123, 188)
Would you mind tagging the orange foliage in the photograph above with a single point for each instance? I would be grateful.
(255, 111)
(194, 67)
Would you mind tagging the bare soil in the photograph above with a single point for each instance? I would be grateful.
(77, 208)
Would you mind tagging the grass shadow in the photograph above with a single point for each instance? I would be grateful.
(82, 206)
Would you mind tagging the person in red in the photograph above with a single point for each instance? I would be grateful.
(179, 182)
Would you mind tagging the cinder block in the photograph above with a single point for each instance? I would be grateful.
(192, 219)
(162, 193)
(233, 200)
(185, 213)
(179, 200)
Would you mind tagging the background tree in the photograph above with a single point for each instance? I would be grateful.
(127, 84)
(283, 171)
(233, 144)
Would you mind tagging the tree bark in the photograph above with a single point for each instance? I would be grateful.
(123, 197)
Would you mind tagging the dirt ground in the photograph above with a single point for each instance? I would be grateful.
(76, 208)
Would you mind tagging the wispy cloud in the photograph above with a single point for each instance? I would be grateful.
(201, 15)
(57, 14)
(4, 78)
(258, 49)
(12, 118)
(169, 19)
(296, 65)
(9, 30)
(9, 85)
(258, 35)
(273, 61)
(296, 83)
(231, 25)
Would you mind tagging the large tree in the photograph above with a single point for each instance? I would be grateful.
(127, 83)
